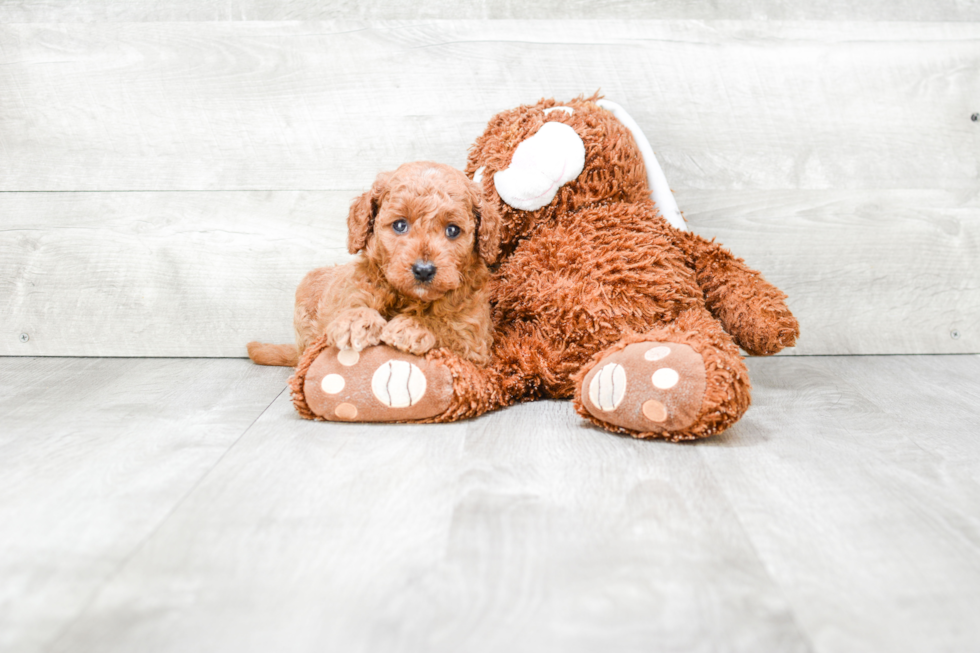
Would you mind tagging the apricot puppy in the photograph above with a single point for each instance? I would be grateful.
(425, 238)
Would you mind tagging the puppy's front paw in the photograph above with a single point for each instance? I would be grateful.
(356, 328)
(404, 333)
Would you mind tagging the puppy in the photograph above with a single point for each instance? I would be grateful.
(425, 238)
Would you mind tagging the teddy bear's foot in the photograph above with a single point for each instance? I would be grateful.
(646, 388)
(378, 384)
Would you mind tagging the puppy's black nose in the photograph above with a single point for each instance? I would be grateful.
(424, 271)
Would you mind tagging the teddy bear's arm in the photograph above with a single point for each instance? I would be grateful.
(750, 308)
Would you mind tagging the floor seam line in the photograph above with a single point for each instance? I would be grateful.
(142, 543)
(804, 635)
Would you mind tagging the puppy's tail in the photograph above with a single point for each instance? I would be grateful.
(263, 354)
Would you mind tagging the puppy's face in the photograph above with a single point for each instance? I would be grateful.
(423, 239)
(421, 227)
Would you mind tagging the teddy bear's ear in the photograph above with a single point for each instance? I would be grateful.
(363, 211)
(487, 224)
(660, 191)
(540, 166)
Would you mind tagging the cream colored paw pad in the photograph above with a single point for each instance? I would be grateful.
(398, 384)
(608, 387)
(348, 357)
(654, 410)
(345, 411)
(665, 378)
(656, 353)
(332, 384)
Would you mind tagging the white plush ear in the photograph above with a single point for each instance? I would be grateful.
(568, 110)
(541, 164)
(659, 188)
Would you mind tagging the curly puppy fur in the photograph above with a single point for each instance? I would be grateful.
(425, 238)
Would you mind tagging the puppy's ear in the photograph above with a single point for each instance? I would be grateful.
(487, 225)
(363, 211)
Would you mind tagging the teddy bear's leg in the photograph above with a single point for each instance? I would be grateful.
(750, 308)
(680, 381)
(382, 384)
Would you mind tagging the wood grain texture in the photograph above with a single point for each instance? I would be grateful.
(325, 105)
(565, 538)
(94, 456)
(841, 514)
(867, 272)
(14, 11)
(159, 274)
(200, 274)
(522, 531)
(838, 158)
(870, 530)
(945, 395)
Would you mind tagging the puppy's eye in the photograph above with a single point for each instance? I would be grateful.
(452, 231)
(400, 226)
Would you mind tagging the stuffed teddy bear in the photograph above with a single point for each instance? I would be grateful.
(599, 295)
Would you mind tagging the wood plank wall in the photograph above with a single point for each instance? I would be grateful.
(169, 171)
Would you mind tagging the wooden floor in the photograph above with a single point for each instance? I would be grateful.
(181, 505)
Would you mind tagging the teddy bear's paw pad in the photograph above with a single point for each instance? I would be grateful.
(647, 387)
(378, 384)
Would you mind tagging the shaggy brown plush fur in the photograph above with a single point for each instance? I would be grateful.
(425, 214)
(596, 270)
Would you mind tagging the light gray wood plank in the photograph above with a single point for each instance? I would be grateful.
(935, 398)
(94, 456)
(311, 527)
(523, 531)
(567, 538)
(180, 10)
(325, 105)
(159, 274)
(867, 272)
(200, 274)
(872, 535)
(839, 515)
